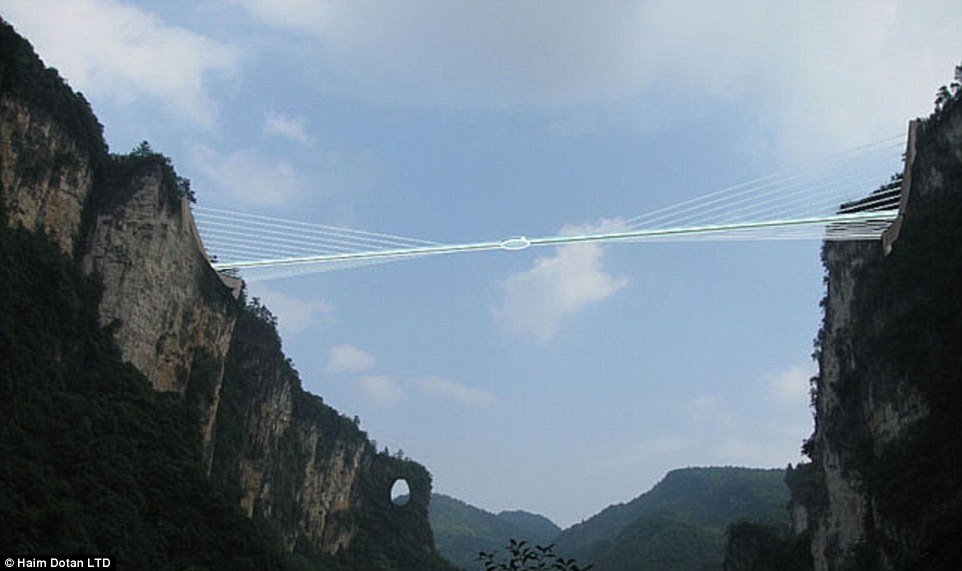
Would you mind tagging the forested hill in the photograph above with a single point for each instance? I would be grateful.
(462, 530)
(681, 522)
(537, 527)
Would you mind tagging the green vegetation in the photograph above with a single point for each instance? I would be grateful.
(387, 536)
(24, 78)
(904, 339)
(462, 530)
(662, 541)
(523, 557)
(753, 546)
(948, 95)
(116, 179)
(680, 523)
(534, 526)
(95, 461)
(910, 311)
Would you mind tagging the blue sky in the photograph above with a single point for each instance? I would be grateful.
(556, 381)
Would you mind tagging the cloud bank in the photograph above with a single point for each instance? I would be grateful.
(286, 127)
(452, 391)
(381, 390)
(556, 287)
(348, 359)
(249, 177)
(294, 315)
(111, 50)
(838, 73)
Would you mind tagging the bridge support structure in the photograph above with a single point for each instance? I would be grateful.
(892, 234)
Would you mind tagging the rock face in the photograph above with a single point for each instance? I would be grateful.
(296, 462)
(888, 377)
(169, 308)
(44, 175)
(306, 473)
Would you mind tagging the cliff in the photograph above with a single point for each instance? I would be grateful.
(290, 460)
(45, 175)
(172, 314)
(303, 473)
(884, 490)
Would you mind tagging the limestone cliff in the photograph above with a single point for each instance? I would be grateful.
(306, 474)
(887, 397)
(299, 464)
(46, 177)
(169, 308)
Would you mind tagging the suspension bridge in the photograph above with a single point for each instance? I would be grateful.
(844, 198)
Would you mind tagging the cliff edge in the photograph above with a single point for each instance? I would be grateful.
(884, 490)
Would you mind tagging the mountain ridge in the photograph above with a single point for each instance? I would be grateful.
(689, 506)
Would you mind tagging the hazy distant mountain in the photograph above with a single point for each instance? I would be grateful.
(462, 530)
(534, 526)
(679, 523)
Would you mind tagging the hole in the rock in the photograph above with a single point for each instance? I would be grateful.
(400, 492)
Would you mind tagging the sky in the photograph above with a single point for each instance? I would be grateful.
(557, 381)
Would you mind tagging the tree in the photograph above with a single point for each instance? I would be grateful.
(143, 150)
(946, 94)
(523, 557)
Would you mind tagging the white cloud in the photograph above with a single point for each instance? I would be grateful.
(729, 432)
(294, 315)
(823, 74)
(381, 390)
(453, 391)
(348, 358)
(703, 407)
(287, 127)
(249, 177)
(536, 301)
(790, 387)
(299, 15)
(110, 50)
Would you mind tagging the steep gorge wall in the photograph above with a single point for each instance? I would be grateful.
(309, 471)
(888, 397)
(44, 175)
(168, 307)
(298, 467)
(171, 313)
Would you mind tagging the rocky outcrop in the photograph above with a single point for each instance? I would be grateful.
(171, 313)
(887, 390)
(44, 176)
(851, 419)
(298, 464)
